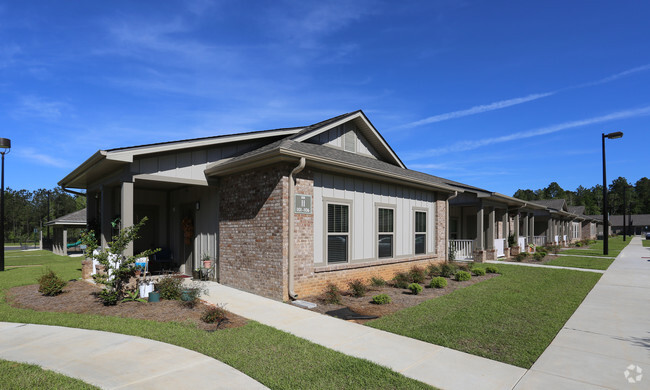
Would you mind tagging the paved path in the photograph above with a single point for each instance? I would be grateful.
(608, 333)
(116, 361)
(598, 271)
(438, 366)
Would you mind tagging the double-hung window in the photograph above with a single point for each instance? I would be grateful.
(386, 232)
(338, 232)
(420, 232)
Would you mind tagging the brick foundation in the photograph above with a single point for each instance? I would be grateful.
(490, 254)
(86, 269)
(514, 250)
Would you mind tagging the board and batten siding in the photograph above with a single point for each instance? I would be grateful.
(364, 196)
(189, 164)
(346, 137)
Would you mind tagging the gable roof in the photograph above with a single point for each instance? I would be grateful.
(322, 156)
(632, 220)
(556, 204)
(578, 210)
(77, 218)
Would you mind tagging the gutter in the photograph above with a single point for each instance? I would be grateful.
(295, 171)
(450, 197)
(73, 192)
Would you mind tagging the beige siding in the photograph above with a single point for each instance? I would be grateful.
(364, 196)
(336, 137)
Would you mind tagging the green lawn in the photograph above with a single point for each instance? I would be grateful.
(511, 318)
(646, 243)
(581, 262)
(28, 376)
(275, 358)
(615, 246)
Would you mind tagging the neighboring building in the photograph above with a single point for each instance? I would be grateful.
(60, 245)
(636, 223)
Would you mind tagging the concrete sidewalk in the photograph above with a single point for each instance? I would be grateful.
(607, 336)
(438, 366)
(117, 361)
(598, 271)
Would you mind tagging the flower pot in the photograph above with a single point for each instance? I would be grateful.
(146, 288)
(207, 263)
(154, 296)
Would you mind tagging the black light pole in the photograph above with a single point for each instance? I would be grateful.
(5, 147)
(624, 222)
(614, 135)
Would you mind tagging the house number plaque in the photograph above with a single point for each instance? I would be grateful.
(303, 204)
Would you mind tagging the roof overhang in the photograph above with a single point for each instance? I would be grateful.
(331, 165)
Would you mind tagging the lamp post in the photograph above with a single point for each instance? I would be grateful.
(614, 135)
(624, 207)
(5, 147)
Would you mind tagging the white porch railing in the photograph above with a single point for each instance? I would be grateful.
(499, 245)
(539, 240)
(522, 242)
(557, 240)
(565, 240)
(463, 249)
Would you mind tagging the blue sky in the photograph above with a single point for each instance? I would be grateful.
(500, 95)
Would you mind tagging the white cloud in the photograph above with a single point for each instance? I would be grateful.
(477, 109)
(475, 144)
(34, 106)
(34, 156)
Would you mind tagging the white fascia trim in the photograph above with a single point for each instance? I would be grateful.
(170, 179)
(127, 155)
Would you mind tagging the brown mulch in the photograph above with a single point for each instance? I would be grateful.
(400, 298)
(530, 259)
(80, 297)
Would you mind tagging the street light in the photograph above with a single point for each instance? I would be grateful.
(5, 147)
(614, 135)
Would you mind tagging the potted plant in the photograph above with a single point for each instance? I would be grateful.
(207, 262)
(196, 274)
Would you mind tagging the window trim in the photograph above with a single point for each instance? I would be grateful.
(326, 234)
(392, 207)
(426, 231)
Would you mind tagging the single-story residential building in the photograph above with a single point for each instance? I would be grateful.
(636, 223)
(281, 212)
(61, 225)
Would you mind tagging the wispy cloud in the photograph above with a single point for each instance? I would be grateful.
(34, 106)
(477, 109)
(519, 100)
(475, 144)
(8, 54)
(40, 158)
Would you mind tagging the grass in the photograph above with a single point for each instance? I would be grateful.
(28, 376)
(615, 246)
(581, 262)
(274, 358)
(511, 318)
(646, 243)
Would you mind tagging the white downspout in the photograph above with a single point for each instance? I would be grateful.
(450, 197)
(296, 170)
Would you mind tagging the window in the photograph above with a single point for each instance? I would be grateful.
(338, 232)
(420, 232)
(386, 229)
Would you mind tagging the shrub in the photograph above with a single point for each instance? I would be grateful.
(381, 299)
(555, 249)
(170, 287)
(521, 256)
(464, 267)
(462, 276)
(357, 288)
(377, 281)
(478, 271)
(417, 274)
(332, 294)
(215, 315)
(433, 270)
(50, 284)
(511, 240)
(108, 297)
(415, 288)
(401, 280)
(190, 296)
(447, 270)
(490, 269)
(538, 256)
(438, 282)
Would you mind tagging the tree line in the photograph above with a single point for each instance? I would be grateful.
(637, 196)
(26, 211)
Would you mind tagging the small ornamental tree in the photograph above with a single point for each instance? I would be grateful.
(117, 266)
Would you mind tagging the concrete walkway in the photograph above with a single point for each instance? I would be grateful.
(607, 336)
(116, 361)
(438, 366)
(598, 271)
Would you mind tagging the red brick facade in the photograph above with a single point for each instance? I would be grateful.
(253, 238)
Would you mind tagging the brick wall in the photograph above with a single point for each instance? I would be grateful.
(253, 231)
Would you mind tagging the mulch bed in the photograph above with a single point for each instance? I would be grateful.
(400, 298)
(530, 259)
(80, 297)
